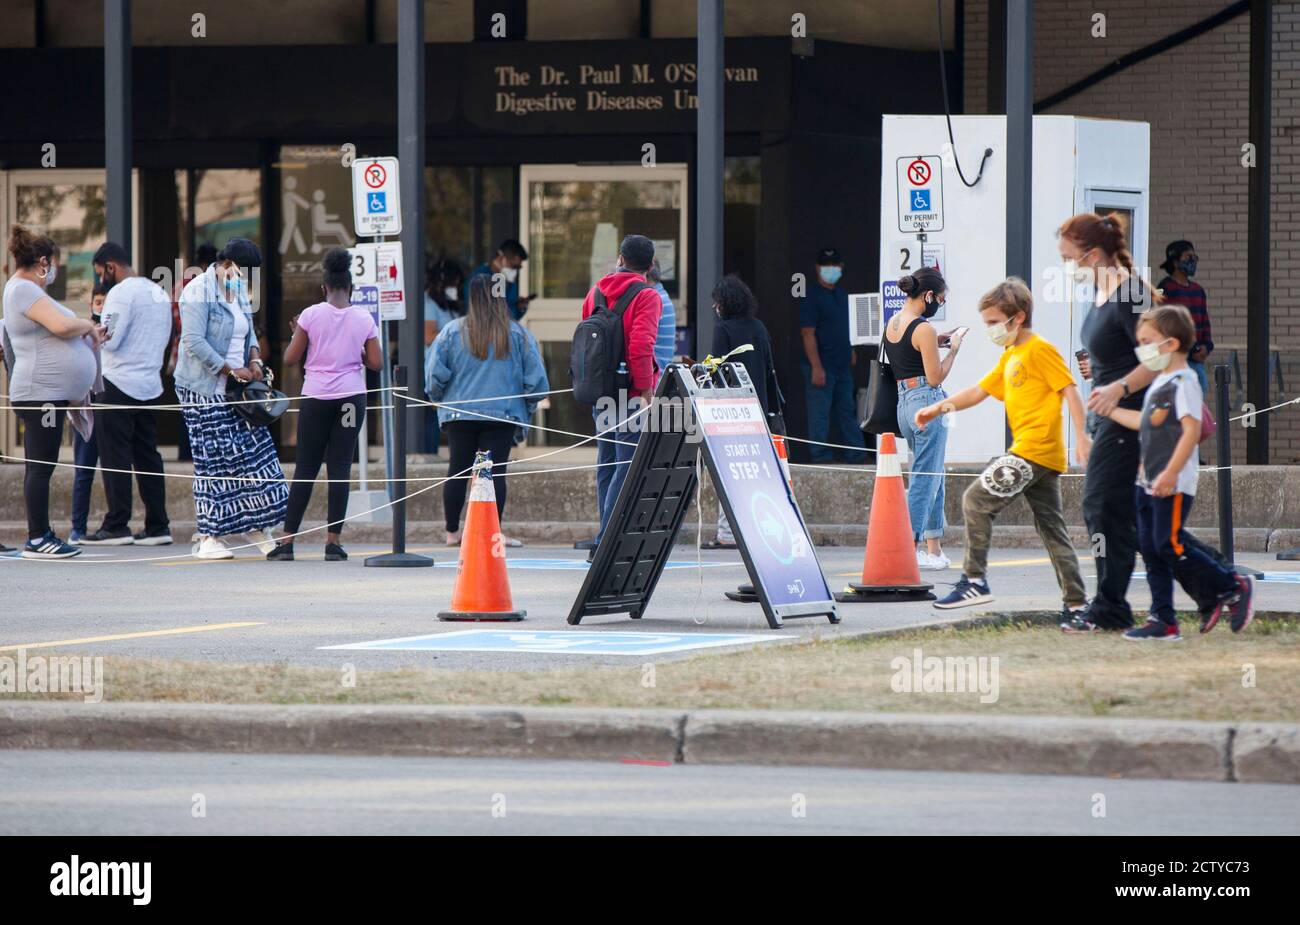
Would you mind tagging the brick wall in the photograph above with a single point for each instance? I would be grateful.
(1196, 98)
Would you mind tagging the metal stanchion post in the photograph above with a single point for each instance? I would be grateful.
(399, 557)
(1222, 377)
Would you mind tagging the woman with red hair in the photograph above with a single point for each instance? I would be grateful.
(1095, 250)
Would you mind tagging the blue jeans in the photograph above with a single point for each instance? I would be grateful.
(610, 478)
(84, 453)
(1199, 368)
(924, 491)
(833, 402)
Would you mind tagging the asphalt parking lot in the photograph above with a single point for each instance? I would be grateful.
(161, 603)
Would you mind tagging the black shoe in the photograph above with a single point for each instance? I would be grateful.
(1243, 608)
(335, 553)
(966, 593)
(283, 552)
(49, 547)
(591, 554)
(1210, 616)
(1076, 622)
(102, 537)
(156, 538)
(1155, 629)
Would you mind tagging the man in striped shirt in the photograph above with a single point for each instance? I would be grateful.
(666, 340)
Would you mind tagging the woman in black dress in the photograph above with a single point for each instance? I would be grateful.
(1095, 250)
(736, 326)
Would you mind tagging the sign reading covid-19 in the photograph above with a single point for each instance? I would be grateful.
(735, 432)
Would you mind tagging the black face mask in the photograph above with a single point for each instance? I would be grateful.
(931, 309)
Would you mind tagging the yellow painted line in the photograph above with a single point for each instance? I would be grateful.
(1043, 561)
(141, 635)
(241, 559)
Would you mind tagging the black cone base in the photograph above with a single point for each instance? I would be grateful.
(745, 594)
(469, 616)
(884, 594)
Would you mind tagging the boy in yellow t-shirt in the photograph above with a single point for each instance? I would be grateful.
(1031, 379)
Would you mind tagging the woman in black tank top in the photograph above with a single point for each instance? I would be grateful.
(912, 347)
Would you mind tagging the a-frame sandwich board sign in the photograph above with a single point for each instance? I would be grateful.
(716, 413)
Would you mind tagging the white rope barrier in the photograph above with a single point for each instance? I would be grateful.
(289, 536)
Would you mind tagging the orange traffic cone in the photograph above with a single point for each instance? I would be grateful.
(889, 569)
(746, 593)
(482, 592)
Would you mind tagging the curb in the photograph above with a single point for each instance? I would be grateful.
(1180, 750)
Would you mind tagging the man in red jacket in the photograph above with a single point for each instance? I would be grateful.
(640, 328)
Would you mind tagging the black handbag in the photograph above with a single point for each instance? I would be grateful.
(882, 396)
(256, 401)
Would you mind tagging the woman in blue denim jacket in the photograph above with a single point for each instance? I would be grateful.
(239, 487)
(912, 346)
(487, 375)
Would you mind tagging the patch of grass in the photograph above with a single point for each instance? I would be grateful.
(1251, 677)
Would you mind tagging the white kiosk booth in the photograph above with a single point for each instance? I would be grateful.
(927, 213)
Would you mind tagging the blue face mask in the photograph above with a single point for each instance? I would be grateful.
(830, 275)
(1188, 266)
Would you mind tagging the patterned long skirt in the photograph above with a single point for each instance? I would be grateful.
(239, 486)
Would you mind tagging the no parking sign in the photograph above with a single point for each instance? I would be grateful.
(920, 193)
(376, 206)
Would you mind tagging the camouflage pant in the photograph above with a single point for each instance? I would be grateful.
(1042, 492)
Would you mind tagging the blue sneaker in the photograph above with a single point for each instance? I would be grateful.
(966, 593)
(49, 547)
(75, 537)
(1155, 629)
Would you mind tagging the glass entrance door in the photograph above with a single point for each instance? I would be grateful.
(571, 220)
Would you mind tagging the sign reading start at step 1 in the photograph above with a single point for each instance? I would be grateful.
(376, 205)
(920, 194)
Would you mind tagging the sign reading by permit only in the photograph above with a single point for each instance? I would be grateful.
(560, 642)
(376, 204)
(380, 266)
(920, 193)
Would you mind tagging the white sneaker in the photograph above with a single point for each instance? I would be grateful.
(928, 563)
(265, 541)
(212, 548)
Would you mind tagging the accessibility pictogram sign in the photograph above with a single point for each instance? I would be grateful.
(376, 205)
(920, 194)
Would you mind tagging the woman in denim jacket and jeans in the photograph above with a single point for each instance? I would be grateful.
(478, 368)
(912, 345)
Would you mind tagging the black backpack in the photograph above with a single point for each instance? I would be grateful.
(598, 349)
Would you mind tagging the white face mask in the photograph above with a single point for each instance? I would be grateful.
(999, 333)
(1078, 273)
(50, 275)
(511, 274)
(451, 293)
(1149, 355)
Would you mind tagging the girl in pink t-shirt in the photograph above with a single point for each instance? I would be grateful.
(339, 342)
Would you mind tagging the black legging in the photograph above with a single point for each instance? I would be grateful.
(42, 435)
(328, 429)
(464, 438)
(1109, 513)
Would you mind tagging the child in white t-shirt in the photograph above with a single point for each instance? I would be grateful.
(1169, 429)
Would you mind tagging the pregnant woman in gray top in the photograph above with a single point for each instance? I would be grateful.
(51, 356)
